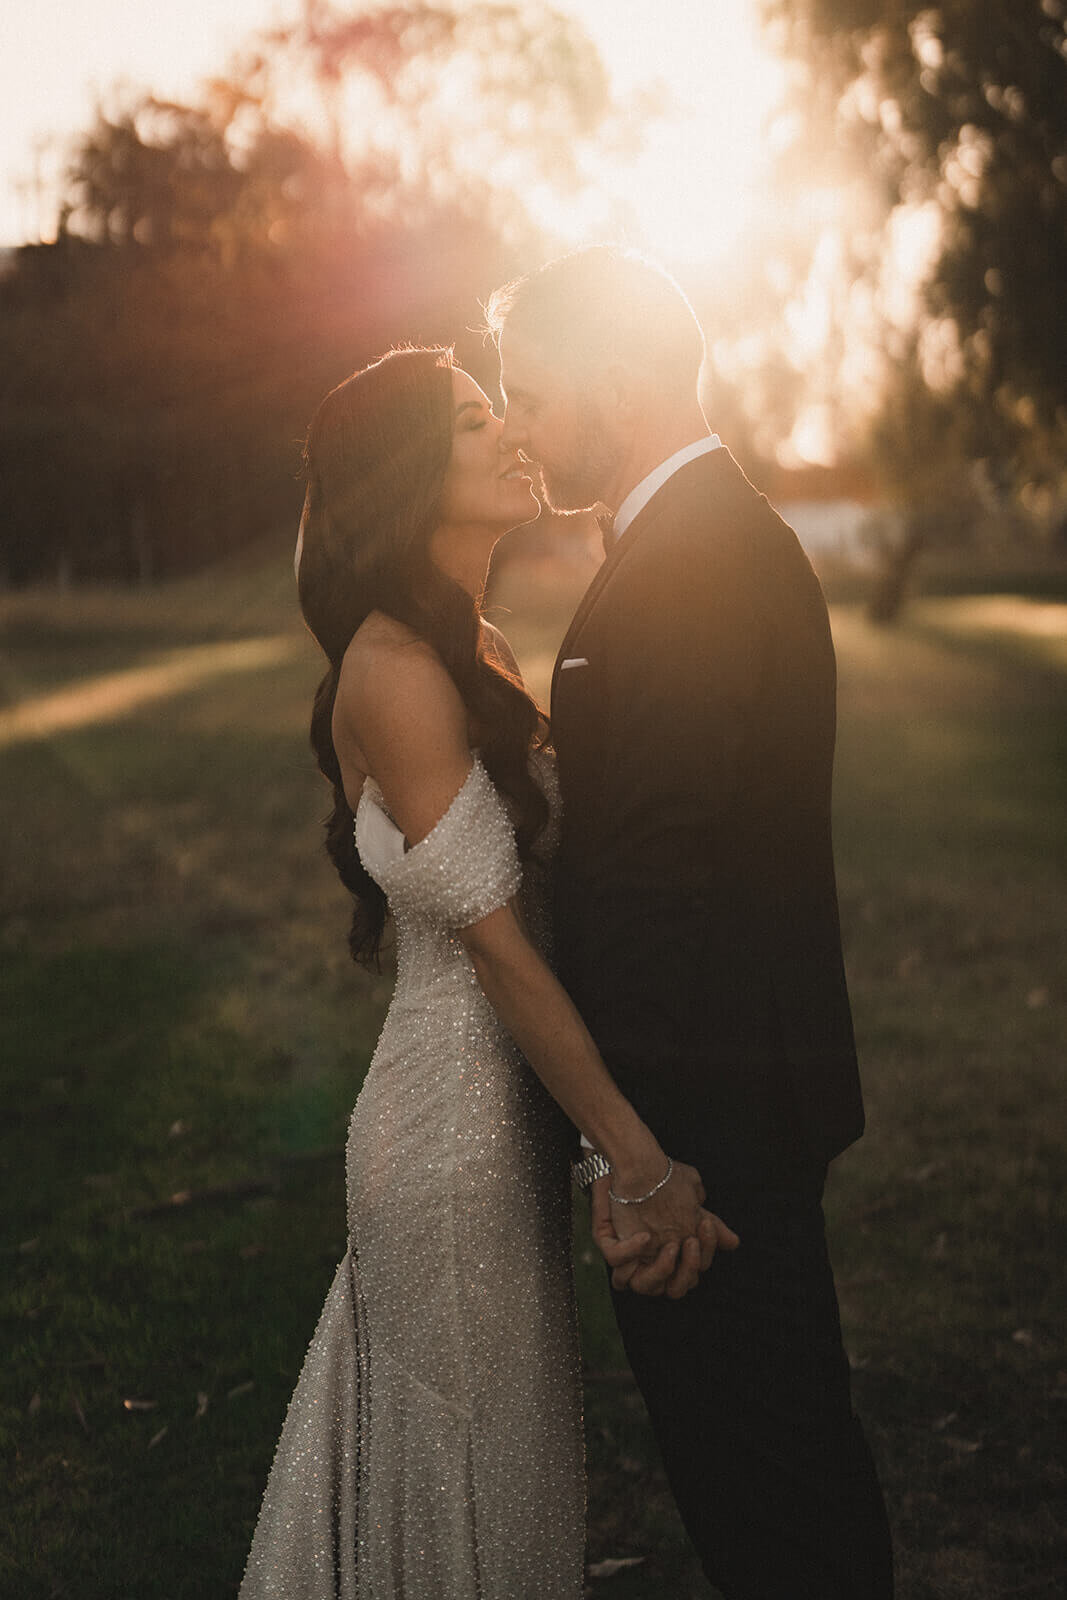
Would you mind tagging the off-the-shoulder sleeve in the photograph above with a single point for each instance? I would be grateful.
(466, 867)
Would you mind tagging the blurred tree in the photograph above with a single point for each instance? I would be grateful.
(965, 104)
(932, 489)
(354, 181)
(158, 176)
(959, 106)
(517, 84)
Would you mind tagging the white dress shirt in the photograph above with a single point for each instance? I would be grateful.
(638, 497)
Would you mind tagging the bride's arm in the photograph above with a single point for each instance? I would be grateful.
(680, 1236)
(409, 721)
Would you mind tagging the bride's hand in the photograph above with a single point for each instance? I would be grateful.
(660, 1245)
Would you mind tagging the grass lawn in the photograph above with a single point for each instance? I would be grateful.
(178, 1016)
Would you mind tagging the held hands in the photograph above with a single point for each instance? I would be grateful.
(662, 1245)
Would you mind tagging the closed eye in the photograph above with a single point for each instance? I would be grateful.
(473, 414)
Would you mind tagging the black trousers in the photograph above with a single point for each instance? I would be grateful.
(747, 1386)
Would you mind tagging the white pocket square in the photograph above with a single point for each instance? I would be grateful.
(573, 661)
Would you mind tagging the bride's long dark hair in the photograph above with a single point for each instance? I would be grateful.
(375, 460)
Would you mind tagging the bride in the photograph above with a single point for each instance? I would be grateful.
(432, 1449)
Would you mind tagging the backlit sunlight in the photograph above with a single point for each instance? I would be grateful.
(697, 185)
(702, 190)
(118, 694)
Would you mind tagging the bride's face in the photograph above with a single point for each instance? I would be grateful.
(484, 487)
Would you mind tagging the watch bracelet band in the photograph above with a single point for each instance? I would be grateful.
(584, 1173)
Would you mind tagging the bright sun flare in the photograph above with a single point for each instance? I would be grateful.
(696, 73)
(692, 189)
(695, 185)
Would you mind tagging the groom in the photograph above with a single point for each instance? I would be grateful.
(693, 718)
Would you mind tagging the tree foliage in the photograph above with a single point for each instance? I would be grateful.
(958, 107)
(355, 180)
(963, 103)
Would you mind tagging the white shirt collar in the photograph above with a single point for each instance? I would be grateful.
(638, 497)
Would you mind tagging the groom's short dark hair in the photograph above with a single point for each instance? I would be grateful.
(604, 305)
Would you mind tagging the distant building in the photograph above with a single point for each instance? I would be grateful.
(828, 508)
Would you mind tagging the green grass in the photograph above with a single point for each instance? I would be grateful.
(178, 1013)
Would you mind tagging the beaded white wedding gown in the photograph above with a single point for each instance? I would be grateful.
(433, 1446)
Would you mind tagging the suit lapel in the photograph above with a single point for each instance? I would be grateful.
(603, 575)
(596, 583)
(708, 468)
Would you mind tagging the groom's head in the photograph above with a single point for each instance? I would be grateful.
(597, 349)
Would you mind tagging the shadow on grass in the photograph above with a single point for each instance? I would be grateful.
(228, 1048)
(150, 1357)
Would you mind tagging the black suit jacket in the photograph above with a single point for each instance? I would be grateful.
(696, 908)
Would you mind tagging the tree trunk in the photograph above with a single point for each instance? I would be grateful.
(891, 584)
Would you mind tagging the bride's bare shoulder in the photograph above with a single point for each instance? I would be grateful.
(381, 649)
(379, 634)
(399, 718)
(389, 671)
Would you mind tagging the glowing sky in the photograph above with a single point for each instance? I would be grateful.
(694, 185)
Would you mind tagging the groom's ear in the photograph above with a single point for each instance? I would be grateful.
(619, 392)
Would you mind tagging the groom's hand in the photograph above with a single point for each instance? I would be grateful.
(675, 1267)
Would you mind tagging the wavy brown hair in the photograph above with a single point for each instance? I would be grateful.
(375, 461)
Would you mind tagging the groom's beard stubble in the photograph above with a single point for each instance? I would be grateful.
(583, 478)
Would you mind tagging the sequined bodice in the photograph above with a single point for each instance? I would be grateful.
(463, 869)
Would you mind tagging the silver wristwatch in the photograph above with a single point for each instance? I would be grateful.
(589, 1169)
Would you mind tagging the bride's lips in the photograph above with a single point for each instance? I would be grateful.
(515, 473)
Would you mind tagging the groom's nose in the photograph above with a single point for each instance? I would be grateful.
(512, 438)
